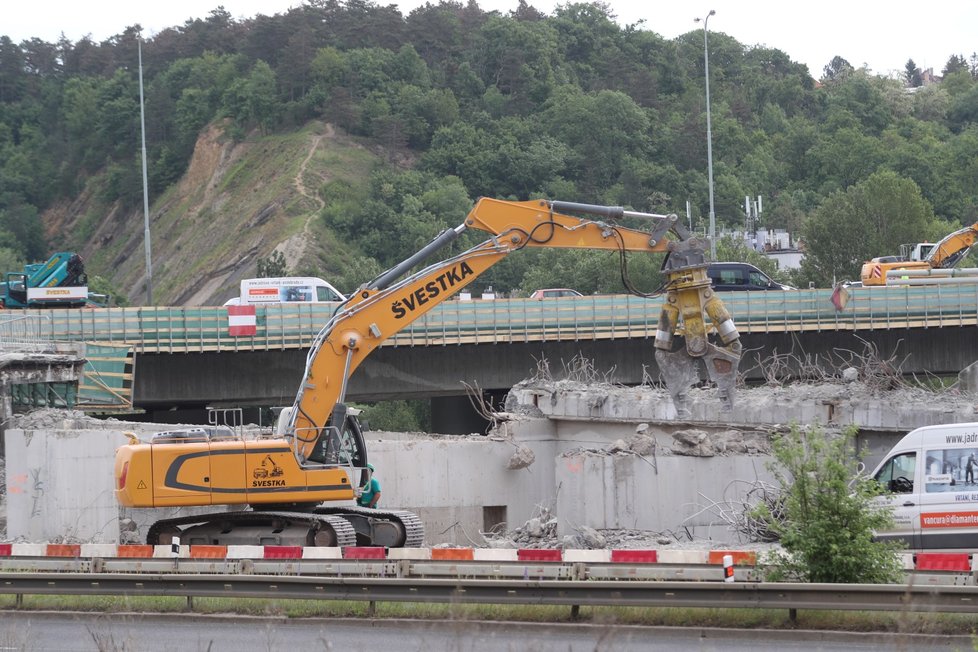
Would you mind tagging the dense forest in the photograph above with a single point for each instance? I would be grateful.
(470, 103)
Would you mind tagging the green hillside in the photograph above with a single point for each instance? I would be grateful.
(338, 137)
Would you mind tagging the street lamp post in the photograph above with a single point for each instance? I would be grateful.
(709, 134)
(142, 123)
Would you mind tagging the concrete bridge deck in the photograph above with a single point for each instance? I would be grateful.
(187, 357)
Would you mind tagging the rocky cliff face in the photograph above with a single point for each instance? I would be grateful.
(237, 202)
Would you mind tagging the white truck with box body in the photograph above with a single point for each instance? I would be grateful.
(289, 289)
(934, 497)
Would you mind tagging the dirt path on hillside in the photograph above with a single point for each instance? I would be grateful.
(295, 247)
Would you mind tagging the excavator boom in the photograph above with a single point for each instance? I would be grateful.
(949, 251)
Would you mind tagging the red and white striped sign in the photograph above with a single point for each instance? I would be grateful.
(242, 321)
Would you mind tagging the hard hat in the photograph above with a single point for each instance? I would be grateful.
(370, 466)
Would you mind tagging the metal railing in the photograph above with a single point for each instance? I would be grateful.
(23, 332)
(294, 326)
(468, 590)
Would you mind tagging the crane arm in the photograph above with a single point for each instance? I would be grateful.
(389, 303)
(949, 251)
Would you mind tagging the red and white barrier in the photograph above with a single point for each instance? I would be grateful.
(938, 562)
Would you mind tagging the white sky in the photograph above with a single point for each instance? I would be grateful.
(881, 35)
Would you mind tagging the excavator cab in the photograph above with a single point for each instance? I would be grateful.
(343, 446)
(339, 443)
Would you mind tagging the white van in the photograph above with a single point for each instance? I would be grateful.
(931, 473)
(291, 289)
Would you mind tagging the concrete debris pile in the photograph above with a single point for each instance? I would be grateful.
(129, 532)
(587, 538)
(55, 419)
(541, 532)
(699, 443)
(538, 532)
(690, 442)
(642, 442)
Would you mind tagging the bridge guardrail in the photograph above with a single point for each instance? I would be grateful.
(908, 597)
(22, 332)
(600, 317)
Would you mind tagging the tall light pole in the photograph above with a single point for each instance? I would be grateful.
(142, 124)
(709, 133)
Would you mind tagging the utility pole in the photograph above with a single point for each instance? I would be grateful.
(142, 124)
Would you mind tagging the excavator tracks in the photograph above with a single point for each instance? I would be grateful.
(380, 527)
(323, 526)
(249, 527)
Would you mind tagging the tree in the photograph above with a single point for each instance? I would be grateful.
(251, 100)
(600, 128)
(842, 158)
(12, 78)
(859, 96)
(21, 230)
(397, 416)
(837, 69)
(263, 106)
(103, 287)
(912, 75)
(518, 57)
(829, 513)
(503, 158)
(589, 271)
(964, 109)
(402, 213)
(10, 260)
(272, 266)
(955, 63)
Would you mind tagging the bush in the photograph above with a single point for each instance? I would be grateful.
(829, 515)
(397, 416)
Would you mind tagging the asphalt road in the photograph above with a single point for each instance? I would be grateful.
(76, 632)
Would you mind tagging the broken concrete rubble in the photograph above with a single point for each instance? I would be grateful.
(693, 442)
(522, 457)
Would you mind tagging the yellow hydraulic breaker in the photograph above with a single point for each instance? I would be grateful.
(688, 298)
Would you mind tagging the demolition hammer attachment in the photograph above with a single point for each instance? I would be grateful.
(688, 297)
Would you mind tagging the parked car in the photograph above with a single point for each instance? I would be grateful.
(741, 276)
(553, 293)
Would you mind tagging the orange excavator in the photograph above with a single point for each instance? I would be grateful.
(296, 488)
(944, 255)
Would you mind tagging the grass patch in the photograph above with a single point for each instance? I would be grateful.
(850, 621)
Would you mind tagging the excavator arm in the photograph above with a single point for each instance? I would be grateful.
(949, 251)
(390, 303)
